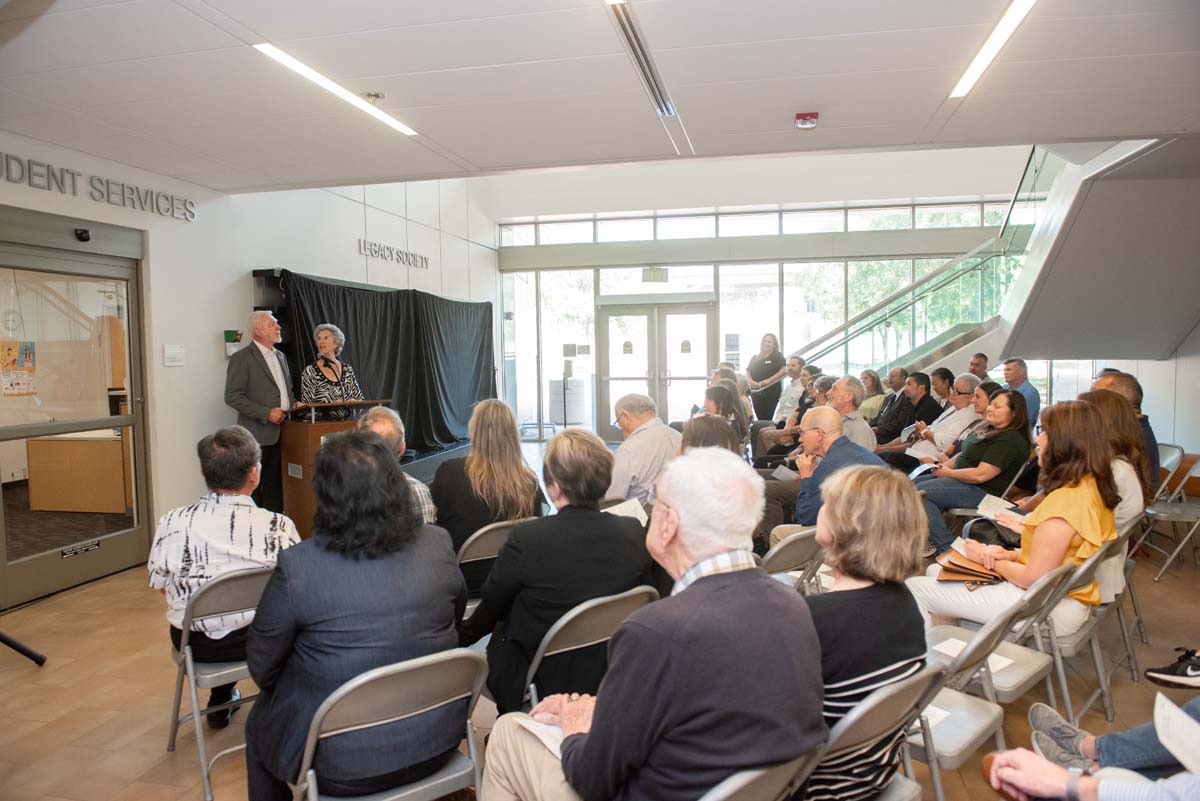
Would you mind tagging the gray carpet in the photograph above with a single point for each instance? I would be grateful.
(31, 533)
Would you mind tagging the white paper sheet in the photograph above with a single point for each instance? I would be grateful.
(550, 736)
(990, 506)
(782, 473)
(1178, 733)
(954, 646)
(630, 508)
(934, 715)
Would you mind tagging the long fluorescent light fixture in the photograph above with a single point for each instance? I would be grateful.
(991, 48)
(320, 80)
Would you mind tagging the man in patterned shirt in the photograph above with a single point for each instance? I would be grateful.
(223, 532)
(388, 425)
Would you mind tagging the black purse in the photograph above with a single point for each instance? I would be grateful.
(981, 529)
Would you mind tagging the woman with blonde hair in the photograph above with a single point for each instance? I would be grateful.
(492, 484)
(872, 527)
(869, 408)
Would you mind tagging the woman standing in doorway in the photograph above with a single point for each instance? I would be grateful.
(764, 373)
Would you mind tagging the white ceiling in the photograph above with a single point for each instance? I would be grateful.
(496, 85)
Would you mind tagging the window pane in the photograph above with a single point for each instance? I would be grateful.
(872, 281)
(1039, 376)
(631, 280)
(956, 216)
(923, 267)
(518, 330)
(624, 230)
(565, 233)
(1071, 376)
(568, 309)
(516, 235)
(749, 308)
(879, 219)
(813, 301)
(994, 213)
(687, 227)
(749, 224)
(814, 222)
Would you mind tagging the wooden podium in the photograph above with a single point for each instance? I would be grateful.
(299, 440)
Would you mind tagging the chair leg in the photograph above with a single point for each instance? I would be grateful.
(1061, 671)
(197, 716)
(1183, 542)
(1037, 640)
(906, 761)
(1137, 608)
(1130, 656)
(1101, 677)
(931, 759)
(175, 709)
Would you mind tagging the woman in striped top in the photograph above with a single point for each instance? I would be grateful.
(872, 526)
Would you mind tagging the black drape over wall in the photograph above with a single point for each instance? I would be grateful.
(432, 356)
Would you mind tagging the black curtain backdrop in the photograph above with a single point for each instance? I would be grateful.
(432, 356)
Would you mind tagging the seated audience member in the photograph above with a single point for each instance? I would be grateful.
(1021, 774)
(387, 424)
(896, 412)
(875, 394)
(1071, 524)
(872, 527)
(981, 398)
(372, 587)
(649, 444)
(845, 396)
(941, 380)
(978, 367)
(722, 401)
(1016, 376)
(992, 455)
(917, 389)
(723, 373)
(743, 388)
(552, 565)
(930, 440)
(1129, 388)
(808, 376)
(693, 689)
(1136, 749)
(821, 437)
(771, 432)
(709, 431)
(491, 485)
(223, 532)
(818, 390)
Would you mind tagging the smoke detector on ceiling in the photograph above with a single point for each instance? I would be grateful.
(372, 97)
(807, 120)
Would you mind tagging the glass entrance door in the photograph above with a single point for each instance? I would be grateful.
(662, 350)
(72, 481)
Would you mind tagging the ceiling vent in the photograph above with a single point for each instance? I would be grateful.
(627, 27)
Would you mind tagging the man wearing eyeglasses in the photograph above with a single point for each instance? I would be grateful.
(649, 445)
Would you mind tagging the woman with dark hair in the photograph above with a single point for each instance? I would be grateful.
(980, 400)
(765, 373)
(721, 399)
(373, 586)
(991, 457)
(709, 431)
(551, 565)
(942, 380)
(1071, 524)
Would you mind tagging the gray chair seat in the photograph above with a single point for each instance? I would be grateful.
(971, 722)
(900, 788)
(1029, 666)
(1075, 642)
(214, 674)
(454, 775)
(1180, 511)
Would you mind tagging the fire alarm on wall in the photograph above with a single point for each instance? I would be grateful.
(807, 120)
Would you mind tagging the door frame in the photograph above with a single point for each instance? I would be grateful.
(656, 308)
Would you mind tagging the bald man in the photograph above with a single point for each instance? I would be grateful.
(1130, 389)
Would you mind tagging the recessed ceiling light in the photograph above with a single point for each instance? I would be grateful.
(320, 80)
(615, 2)
(991, 48)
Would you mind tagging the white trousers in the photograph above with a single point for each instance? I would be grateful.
(953, 600)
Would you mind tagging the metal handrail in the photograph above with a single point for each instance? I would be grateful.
(907, 290)
(1016, 194)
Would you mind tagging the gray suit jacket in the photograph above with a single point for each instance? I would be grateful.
(252, 392)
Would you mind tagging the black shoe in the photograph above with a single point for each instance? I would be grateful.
(221, 718)
(1185, 672)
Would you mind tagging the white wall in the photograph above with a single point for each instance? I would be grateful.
(197, 282)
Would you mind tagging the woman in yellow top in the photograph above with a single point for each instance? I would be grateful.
(1071, 524)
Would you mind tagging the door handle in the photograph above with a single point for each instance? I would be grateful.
(667, 377)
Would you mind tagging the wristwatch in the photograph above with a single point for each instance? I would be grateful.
(1073, 776)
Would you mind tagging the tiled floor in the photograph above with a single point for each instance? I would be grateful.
(91, 724)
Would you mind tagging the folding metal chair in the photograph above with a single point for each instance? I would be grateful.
(484, 545)
(393, 693)
(796, 549)
(775, 783)
(1175, 509)
(229, 594)
(1118, 562)
(590, 623)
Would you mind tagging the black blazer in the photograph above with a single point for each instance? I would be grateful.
(324, 619)
(894, 419)
(461, 512)
(547, 567)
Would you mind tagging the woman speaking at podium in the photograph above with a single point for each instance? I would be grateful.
(329, 380)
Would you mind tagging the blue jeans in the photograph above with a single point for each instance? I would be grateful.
(1138, 748)
(942, 494)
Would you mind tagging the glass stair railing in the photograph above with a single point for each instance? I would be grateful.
(950, 304)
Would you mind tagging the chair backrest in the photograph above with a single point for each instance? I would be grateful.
(773, 783)
(590, 623)
(1032, 458)
(1080, 576)
(1170, 456)
(884, 711)
(239, 591)
(394, 692)
(487, 541)
(1179, 494)
(797, 550)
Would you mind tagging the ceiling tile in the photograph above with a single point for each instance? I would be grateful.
(824, 139)
(26, 9)
(1122, 72)
(1120, 35)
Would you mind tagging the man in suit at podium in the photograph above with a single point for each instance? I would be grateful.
(259, 388)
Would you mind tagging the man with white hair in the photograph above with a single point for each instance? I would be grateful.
(259, 388)
(649, 445)
(846, 396)
(390, 428)
(675, 714)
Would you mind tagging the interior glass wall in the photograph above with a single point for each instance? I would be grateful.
(749, 308)
(568, 335)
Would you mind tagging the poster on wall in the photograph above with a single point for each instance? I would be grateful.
(18, 366)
